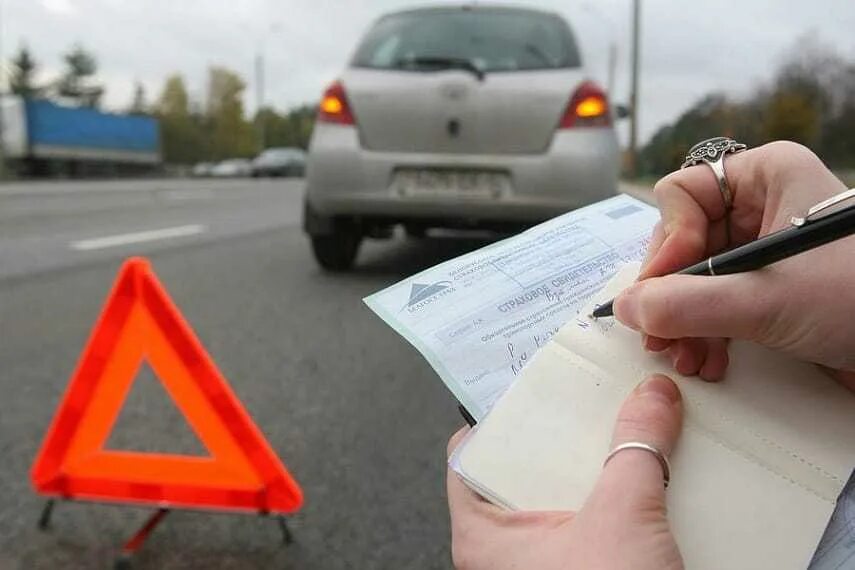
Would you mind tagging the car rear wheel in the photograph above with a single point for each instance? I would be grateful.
(337, 251)
(415, 231)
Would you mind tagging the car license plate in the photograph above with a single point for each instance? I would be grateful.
(463, 183)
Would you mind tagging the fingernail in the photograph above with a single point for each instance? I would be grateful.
(645, 342)
(660, 386)
(626, 308)
(677, 360)
(656, 344)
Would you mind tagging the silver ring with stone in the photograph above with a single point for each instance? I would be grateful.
(712, 152)
(660, 457)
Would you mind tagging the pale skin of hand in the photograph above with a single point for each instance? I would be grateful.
(804, 306)
(623, 524)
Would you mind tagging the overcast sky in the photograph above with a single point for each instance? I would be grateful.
(688, 48)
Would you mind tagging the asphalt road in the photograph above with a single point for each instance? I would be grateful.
(354, 412)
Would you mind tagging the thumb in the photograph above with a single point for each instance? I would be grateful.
(632, 485)
(679, 306)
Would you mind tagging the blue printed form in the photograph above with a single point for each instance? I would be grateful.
(479, 318)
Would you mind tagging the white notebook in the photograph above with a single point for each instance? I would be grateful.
(761, 460)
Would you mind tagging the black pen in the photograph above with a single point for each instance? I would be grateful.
(803, 234)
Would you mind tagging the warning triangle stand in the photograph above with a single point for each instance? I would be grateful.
(140, 324)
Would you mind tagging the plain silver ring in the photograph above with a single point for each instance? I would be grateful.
(660, 457)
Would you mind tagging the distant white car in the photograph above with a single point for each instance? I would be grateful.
(472, 116)
(285, 161)
(232, 168)
(202, 169)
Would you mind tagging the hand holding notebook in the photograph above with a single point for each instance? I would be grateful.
(755, 474)
(623, 523)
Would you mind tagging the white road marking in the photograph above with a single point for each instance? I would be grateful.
(137, 237)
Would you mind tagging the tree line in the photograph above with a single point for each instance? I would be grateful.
(810, 100)
(191, 130)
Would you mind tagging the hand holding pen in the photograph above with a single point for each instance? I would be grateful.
(803, 305)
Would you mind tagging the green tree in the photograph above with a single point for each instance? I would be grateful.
(23, 73)
(811, 100)
(182, 135)
(231, 134)
(302, 121)
(292, 129)
(174, 99)
(273, 125)
(75, 83)
(792, 116)
(713, 115)
(837, 146)
(796, 104)
(217, 130)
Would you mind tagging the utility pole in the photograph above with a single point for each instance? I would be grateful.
(633, 96)
(260, 51)
(610, 86)
(259, 99)
(2, 102)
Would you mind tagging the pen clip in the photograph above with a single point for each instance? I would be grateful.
(824, 205)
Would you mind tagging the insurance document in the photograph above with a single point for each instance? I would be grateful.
(479, 318)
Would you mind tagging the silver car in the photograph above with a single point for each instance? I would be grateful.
(456, 117)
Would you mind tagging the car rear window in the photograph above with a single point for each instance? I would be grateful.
(491, 39)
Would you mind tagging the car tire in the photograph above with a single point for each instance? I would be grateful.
(415, 231)
(337, 251)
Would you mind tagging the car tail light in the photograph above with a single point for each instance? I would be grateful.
(334, 107)
(588, 107)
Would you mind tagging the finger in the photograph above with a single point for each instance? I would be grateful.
(846, 378)
(683, 225)
(719, 238)
(463, 501)
(677, 306)
(699, 184)
(693, 213)
(704, 357)
(717, 360)
(652, 414)
(633, 478)
(656, 344)
(656, 240)
(455, 440)
(688, 355)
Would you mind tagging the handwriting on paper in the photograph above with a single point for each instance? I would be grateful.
(481, 318)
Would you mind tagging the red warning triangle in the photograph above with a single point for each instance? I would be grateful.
(141, 323)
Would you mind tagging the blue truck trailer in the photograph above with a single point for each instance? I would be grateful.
(43, 138)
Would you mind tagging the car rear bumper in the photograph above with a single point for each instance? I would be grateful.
(343, 179)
